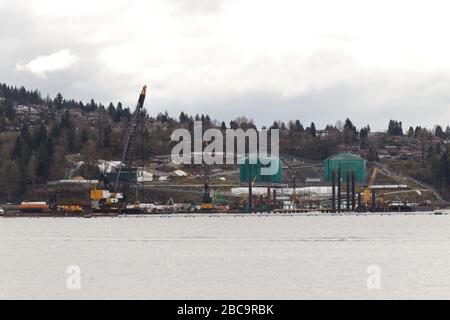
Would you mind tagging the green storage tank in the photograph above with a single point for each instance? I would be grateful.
(252, 172)
(349, 162)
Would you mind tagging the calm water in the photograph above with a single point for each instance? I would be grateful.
(226, 257)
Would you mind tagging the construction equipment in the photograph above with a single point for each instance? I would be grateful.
(207, 199)
(102, 199)
(368, 190)
(70, 209)
(126, 164)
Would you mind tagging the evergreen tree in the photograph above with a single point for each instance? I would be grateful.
(447, 132)
(119, 113)
(438, 132)
(350, 133)
(23, 176)
(395, 128)
(364, 132)
(50, 148)
(18, 149)
(65, 120)
(42, 168)
(313, 130)
(183, 118)
(58, 101)
(411, 132)
(298, 127)
(55, 132)
(84, 136)
(111, 110)
(40, 136)
(71, 139)
(107, 137)
(92, 106)
(417, 132)
(126, 114)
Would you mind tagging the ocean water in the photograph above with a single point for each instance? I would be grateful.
(299, 257)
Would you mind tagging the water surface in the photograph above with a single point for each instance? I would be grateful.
(227, 257)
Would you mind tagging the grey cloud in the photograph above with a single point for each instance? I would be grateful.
(212, 77)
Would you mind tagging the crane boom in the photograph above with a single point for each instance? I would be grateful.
(130, 142)
(372, 180)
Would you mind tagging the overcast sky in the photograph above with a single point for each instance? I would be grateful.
(321, 60)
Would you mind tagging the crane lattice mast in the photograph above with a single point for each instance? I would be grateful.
(130, 142)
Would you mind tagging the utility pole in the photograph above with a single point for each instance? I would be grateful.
(141, 200)
(348, 190)
(333, 191)
(339, 188)
(353, 191)
(250, 197)
(374, 203)
(294, 197)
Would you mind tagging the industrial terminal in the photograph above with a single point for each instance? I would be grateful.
(132, 185)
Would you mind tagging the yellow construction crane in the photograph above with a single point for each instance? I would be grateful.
(368, 190)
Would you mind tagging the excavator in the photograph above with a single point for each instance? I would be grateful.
(104, 196)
